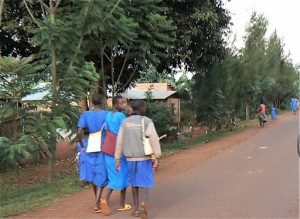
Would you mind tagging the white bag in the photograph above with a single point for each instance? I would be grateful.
(148, 150)
(94, 141)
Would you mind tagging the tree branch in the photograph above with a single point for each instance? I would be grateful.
(109, 59)
(112, 10)
(45, 6)
(123, 66)
(43, 11)
(112, 73)
(80, 40)
(129, 80)
(1, 9)
(28, 9)
(57, 4)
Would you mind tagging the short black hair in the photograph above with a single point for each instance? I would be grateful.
(137, 105)
(97, 99)
(116, 99)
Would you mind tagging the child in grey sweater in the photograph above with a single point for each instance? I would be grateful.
(140, 166)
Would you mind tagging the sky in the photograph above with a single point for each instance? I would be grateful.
(284, 16)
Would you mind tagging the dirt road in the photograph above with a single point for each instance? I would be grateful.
(254, 174)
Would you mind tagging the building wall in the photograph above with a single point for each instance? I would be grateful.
(154, 86)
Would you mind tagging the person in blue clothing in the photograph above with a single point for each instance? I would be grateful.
(295, 105)
(85, 173)
(291, 104)
(116, 180)
(273, 112)
(94, 121)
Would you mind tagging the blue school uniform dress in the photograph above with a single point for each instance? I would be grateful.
(141, 174)
(85, 173)
(273, 113)
(94, 120)
(294, 104)
(116, 180)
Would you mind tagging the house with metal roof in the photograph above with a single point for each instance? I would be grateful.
(162, 92)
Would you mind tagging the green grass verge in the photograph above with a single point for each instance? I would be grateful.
(17, 200)
(171, 148)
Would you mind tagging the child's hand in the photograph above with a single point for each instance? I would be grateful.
(155, 166)
(118, 165)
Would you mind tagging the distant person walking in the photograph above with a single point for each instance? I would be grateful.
(140, 167)
(294, 105)
(273, 112)
(94, 121)
(116, 180)
(262, 117)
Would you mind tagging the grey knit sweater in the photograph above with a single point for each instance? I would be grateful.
(129, 141)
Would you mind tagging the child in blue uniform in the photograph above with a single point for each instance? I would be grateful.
(85, 173)
(273, 112)
(140, 166)
(94, 121)
(116, 180)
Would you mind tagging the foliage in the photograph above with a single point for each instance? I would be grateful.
(18, 77)
(200, 30)
(162, 117)
(15, 36)
(135, 35)
(260, 71)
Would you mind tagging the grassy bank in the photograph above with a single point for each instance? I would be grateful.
(171, 148)
(16, 199)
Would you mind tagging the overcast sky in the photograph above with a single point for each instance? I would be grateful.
(284, 16)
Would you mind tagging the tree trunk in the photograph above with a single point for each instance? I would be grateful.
(103, 78)
(52, 156)
(247, 111)
(83, 104)
(51, 162)
(1, 9)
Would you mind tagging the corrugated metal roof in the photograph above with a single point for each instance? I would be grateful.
(36, 96)
(138, 94)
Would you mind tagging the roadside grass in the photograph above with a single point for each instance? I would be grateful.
(16, 199)
(170, 148)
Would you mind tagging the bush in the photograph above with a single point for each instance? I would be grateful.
(161, 114)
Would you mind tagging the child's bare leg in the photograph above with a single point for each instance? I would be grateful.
(105, 200)
(95, 189)
(122, 198)
(106, 193)
(135, 196)
(144, 192)
(98, 194)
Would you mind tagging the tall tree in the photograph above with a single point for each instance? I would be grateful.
(16, 26)
(254, 61)
(69, 75)
(133, 36)
(201, 26)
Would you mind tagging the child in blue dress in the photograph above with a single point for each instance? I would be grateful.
(273, 112)
(116, 180)
(140, 166)
(94, 121)
(85, 173)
